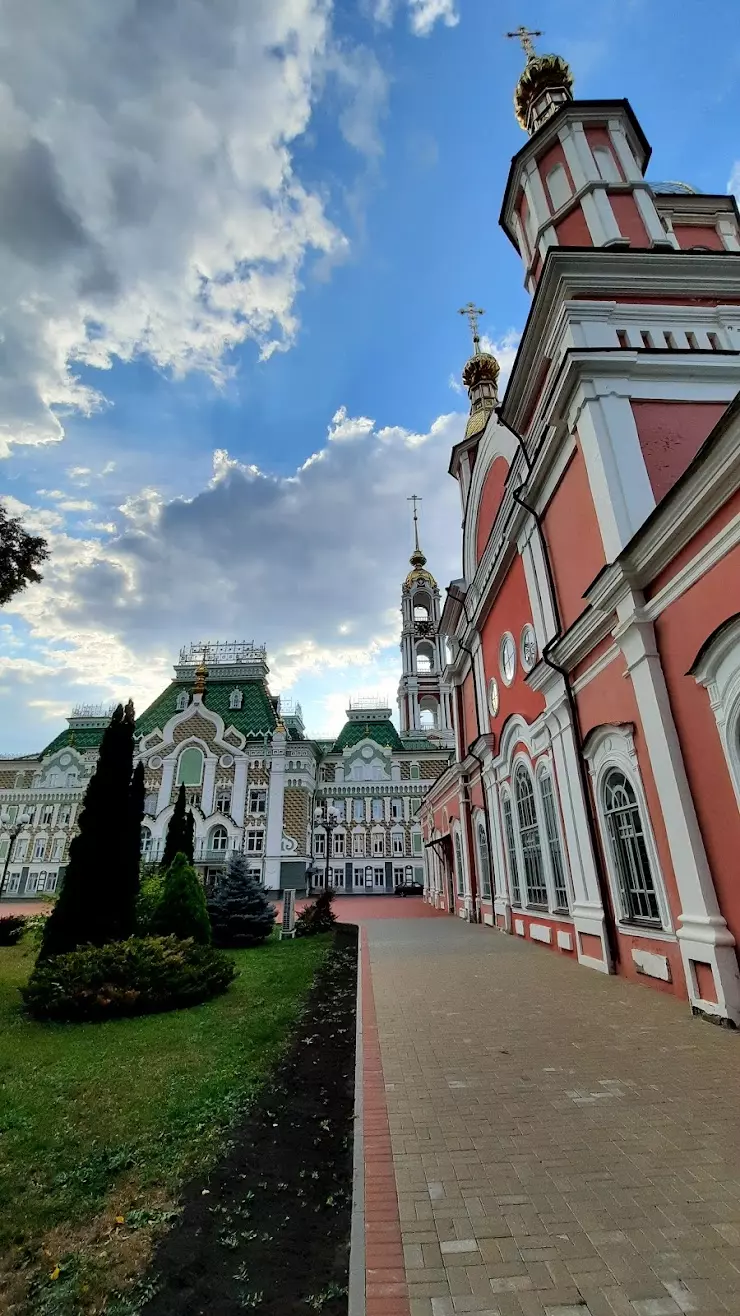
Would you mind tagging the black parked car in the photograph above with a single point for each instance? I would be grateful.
(410, 889)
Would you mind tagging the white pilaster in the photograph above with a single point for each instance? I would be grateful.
(275, 800)
(624, 151)
(165, 784)
(703, 934)
(239, 791)
(599, 216)
(620, 486)
(650, 216)
(208, 787)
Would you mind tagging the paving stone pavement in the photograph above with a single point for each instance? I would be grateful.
(564, 1144)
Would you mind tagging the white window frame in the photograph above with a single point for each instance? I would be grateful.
(236, 698)
(521, 762)
(257, 800)
(255, 841)
(319, 845)
(718, 671)
(57, 849)
(396, 809)
(223, 800)
(398, 843)
(47, 815)
(358, 815)
(39, 848)
(511, 854)
(485, 861)
(458, 851)
(379, 844)
(546, 769)
(339, 845)
(417, 846)
(181, 702)
(65, 815)
(614, 747)
(221, 849)
(358, 844)
(558, 186)
(414, 772)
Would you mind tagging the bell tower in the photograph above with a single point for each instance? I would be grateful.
(424, 700)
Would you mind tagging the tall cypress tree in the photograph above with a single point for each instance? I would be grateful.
(176, 840)
(95, 903)
(189, 849)
(131, 879)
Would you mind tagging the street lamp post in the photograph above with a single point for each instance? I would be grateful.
(14, 834)
(329, 820)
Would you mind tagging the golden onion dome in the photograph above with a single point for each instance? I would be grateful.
(418, 575)
(482, 365)
(542, 73)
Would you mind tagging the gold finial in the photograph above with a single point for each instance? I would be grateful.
(472, 312)
(201, 672)
(280, 727)
(524, 35)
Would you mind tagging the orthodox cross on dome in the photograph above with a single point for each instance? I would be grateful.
(415, 499)
(524, 35)
(472, 312)
(201, 672)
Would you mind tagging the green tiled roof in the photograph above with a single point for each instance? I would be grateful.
(414, 745)
(382, 732)
(80, 738)
(255, 717)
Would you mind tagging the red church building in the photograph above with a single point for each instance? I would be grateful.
(593, 640)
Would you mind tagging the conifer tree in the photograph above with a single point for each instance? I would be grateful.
(182, 911)
(95, 904)
(240, 913)
(189, 848)
(131, 878)
(176, 840)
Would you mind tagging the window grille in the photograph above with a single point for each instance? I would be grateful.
(485, 862)
(557, 862)
(516, 894)
(629, 850)
(529, 835)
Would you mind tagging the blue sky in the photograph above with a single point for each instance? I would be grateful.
(207, 248)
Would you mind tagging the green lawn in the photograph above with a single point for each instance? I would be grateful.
(99, 1120)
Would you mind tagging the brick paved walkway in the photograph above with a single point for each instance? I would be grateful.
(563, 1143)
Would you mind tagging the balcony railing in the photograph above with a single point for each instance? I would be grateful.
(203, 853)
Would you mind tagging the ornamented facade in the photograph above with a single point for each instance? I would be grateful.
(252, 778)
(593, 805)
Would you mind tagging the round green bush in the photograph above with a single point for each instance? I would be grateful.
(143, 975)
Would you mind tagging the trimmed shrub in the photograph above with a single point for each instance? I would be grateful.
(11, 929)
(181, 911)
(318, 916)
(150, 894)
(143, 975)
(240, 913)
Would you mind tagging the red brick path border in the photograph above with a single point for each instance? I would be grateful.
(385, 1277)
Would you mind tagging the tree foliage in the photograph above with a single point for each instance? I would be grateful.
(317, 916)
(20, 555)
(240, 913)
(180, 832)
(97, 901)
(182, 911)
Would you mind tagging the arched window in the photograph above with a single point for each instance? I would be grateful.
(529, 835)
(606, 165)
(146, 842)
(414, 771)
(219, 839)
(421, 612)
(424, 658)
(557, 861)
(516, 886)
(485, 862)
(558, 186)
(236, 699)
(459, 868)
(190, 767)
(181, 702)
(628, 848)
(150, 803)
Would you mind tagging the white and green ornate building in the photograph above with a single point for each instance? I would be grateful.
(253, 778)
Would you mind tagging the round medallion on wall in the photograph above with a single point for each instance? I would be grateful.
(366, 752)
(493, 697)
(155, 762)
(507, 658)
(528, 647)
(65, 759)
(226, 761)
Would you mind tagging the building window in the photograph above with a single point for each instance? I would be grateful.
(21, 846)
(398, 876)
(379, 877)
(424, 658)
(529, 835)
(257, 801)
(485, 862)
(219, 839)
(65, 814)
(379, 843)
(150, 804)
(358, 808)
(14, 882)
(414, 805)
(416, 843)
(181, 702)
(255, 840)
(12, 812)
(190, 767)
(57, 849)
(558, 186)
(516, 887)
(338, 876)
(629, 853)
(145, 846)
(459, 869)
(606, 165)
(398, 843)
(32, 882)
(358, 843)
(338, 808)
(42, 881)
(319, 844)
(223, 800)
(338, 846)
(4, 847)
(255, 874)
(236, 698)
(39, 849)
(47, 814)
(377, 810)
(414, 772)
(396, 809)
(359, 876)
(557, 861)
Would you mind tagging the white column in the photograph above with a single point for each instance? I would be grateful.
(577, 165)
(650, 216)
(703, 934)
(165, 784)
(208, 787)
(624, 151)
(275, 798)
(620, 486)
(239, 790)
(599, 217)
